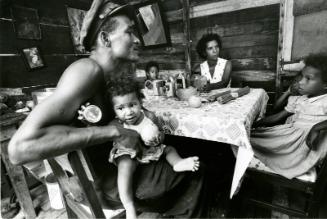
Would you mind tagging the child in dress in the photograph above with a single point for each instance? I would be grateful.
(295, 147)
(152, 70)
(126, 101)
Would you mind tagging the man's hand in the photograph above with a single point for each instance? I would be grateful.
(313, 138)
(127, 138)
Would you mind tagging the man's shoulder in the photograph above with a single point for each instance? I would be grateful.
(81, 70)
(86, 66)
(83, 78)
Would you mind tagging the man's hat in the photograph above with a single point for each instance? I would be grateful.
(96, 16)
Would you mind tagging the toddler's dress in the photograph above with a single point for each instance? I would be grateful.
(146, 153)
(283, 148)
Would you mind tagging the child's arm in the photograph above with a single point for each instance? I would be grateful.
(291, 91)
(155, 120)
(282, 101)
(272, 119)
(313, 136)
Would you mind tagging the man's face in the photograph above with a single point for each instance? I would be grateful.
(124, 42)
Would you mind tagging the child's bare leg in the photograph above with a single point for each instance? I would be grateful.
(181, 164)
(126, 168)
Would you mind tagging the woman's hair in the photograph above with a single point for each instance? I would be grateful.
(122, 86)
(151, 64)
(318, 61)
(202, 44)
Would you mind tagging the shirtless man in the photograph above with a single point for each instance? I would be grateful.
(108, 33)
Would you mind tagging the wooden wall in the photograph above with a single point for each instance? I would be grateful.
(56, 44)
(310, 28)
(169, 58)
(249, 38)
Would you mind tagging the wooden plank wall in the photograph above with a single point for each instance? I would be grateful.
(249, 39)
(56, 44)
(169, 58)
(310, 29)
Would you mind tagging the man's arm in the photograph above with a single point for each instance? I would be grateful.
(46, 131)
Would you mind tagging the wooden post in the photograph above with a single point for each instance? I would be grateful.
(187, 38)
(289, 29)
(280, 49)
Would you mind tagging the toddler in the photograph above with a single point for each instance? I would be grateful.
(295, 147)
(126, 101)
(152, 70)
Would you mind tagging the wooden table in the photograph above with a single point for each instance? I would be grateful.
(228, 123)
(9, 123)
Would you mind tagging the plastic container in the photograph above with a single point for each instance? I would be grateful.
(54, 192)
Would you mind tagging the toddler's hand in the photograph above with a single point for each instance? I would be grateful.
(81, 112)
(312, 138)
(89, 114)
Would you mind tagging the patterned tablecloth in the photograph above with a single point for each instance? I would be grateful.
(227, 123)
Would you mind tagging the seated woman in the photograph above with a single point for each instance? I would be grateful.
(215, 69)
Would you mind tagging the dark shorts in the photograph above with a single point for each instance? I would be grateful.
(158, 188)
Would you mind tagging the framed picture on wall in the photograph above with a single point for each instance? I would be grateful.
(26, 23)
(152, 25)
(75, 19)
(33, 58)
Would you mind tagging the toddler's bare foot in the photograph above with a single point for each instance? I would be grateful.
(187, 164)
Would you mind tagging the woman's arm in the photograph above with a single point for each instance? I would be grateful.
(224, 80)
(272, 119)
(313, 136)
